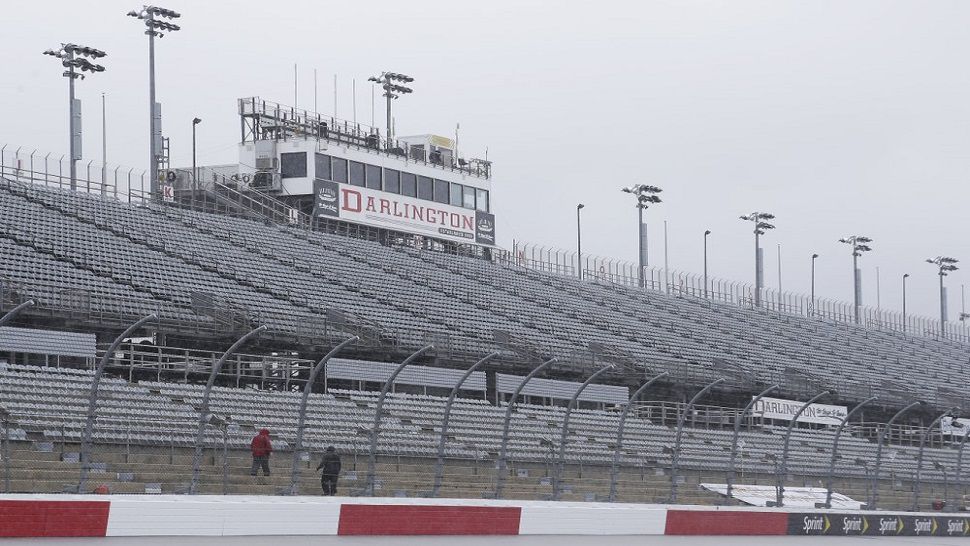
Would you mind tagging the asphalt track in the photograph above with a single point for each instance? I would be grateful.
(536, 540)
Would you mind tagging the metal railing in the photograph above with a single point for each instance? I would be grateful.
(614, 271)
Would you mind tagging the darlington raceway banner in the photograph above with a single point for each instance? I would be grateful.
(401, 213)
(778, 408)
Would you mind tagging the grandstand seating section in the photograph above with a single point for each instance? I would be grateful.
(151, 257)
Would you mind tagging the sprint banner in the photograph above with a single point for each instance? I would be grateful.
(878, 525)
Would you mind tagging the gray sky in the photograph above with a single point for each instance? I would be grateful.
(839, 117)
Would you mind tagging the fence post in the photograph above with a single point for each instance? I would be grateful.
(561, 463)
(919, 458)
(440, 463)
(737, 434)
(621, 426)
(11, 314)
(835, 449)
(874, 490)
(5, 421)
(204, 408)
(301, 415)
(376, 430)
(500, 464)
(782, 470)
(679, 436)
(93, 398)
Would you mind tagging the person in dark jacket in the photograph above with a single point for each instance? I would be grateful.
(261, 447)
(330, 464)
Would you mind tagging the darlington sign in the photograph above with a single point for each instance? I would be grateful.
(777, 408)
(397, 212)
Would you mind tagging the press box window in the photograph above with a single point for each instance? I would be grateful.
(455, 199)
(482, 200)
(339, 169)
(392, 181)
(441, 191)
(409, 185)
(425, 188)
(322, 167)
(356, 173)
(373, 173)
(468, 198)
(293, 165)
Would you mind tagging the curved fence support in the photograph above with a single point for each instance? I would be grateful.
(301, 412)
(737, 434)
(5, 422)
(782, 471)
(85, 455)
(835, 448)
(204, 408)
(376, 429)
(919, 457)
(11, 314)
(959, 469)
(439, 465)
(501, 464)
(557, 479)
(874, 489)
(619, 432)
(680, 433)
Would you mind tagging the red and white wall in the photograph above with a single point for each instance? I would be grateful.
(164, 515)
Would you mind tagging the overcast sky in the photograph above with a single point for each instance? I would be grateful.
(839, 117)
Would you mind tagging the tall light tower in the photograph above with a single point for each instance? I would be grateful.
(945, 265)
(392, 91)
(859, 245)
(760, 227)
(75, 59)
(156, 25)
(646, 195)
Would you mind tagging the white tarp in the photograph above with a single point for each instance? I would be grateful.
(956, 427)
(795, 497)
(779, 408)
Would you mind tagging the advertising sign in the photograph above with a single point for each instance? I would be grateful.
(877, 525)
(778, 408)
(401, 213)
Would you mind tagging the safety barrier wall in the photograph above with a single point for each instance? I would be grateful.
(75, 515)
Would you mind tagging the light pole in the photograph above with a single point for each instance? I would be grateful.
(905, 276)
(75, 59)
(945, 265)
(859, 245)
(760, 227)
(392, 91)
(195, 172)
(707, 232)
(579, 242)
(812, 309)
(646, 196)
(155, 26)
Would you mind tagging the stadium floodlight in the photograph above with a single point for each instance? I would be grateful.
(392, 91)
(859, 244)
(944, 265)
(646, 195)
(156, 26)
(761, 226)
(76, 59)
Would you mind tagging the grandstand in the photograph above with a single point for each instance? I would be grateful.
(93, 264)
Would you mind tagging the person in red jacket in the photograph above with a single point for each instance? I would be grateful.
(261, 447)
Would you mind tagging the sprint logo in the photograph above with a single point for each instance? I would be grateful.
(891, 526)
(855, 525)
(816, 525)
(957, 527)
